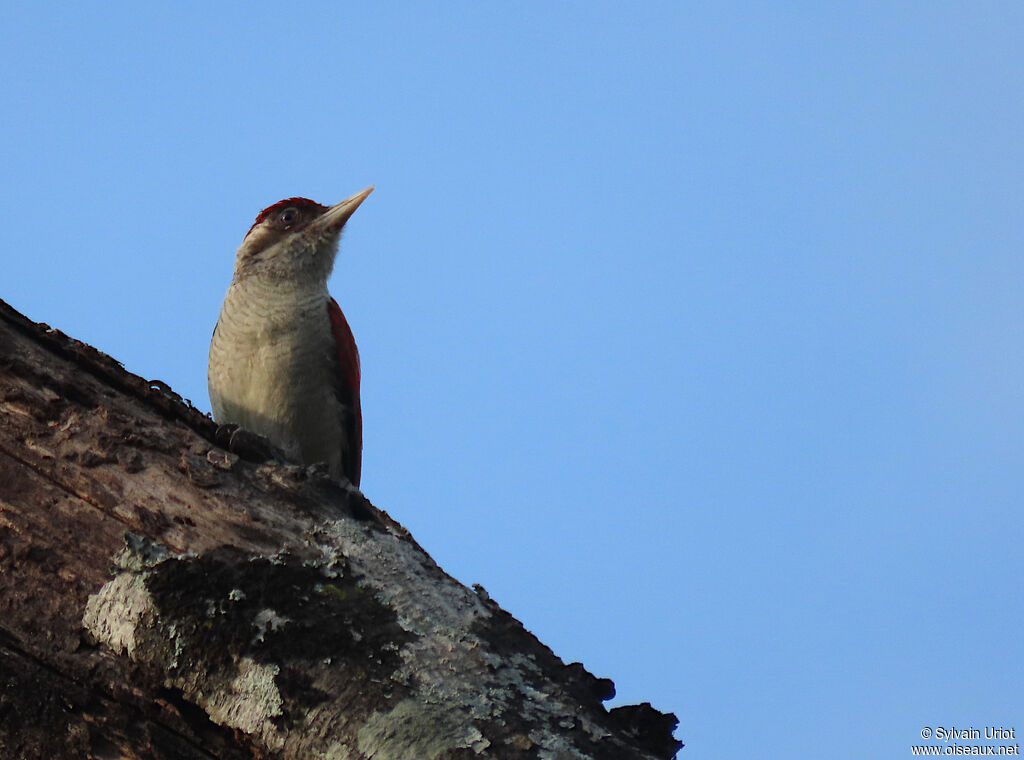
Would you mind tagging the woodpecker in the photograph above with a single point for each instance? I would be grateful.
(283, 361)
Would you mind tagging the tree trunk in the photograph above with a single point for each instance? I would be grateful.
(171, 590)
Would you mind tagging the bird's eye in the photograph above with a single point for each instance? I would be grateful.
(289, 216)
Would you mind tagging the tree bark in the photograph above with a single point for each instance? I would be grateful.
(169, 589)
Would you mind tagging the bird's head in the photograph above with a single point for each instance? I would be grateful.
(295, 238)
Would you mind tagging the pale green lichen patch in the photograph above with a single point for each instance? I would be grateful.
(251, 701)
(414, 730)
(465, 692)
(250, 638)
(113, 614)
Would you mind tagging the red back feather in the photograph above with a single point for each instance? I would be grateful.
(348, 363)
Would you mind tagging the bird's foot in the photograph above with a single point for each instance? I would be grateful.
(250, 446)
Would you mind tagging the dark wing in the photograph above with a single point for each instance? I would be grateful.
(348, 392)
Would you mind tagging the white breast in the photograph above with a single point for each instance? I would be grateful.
(273, 369)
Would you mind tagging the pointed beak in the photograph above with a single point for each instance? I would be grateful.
(336, 216)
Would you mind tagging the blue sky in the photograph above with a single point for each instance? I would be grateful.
(692, 332)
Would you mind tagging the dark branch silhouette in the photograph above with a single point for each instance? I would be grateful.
(169, 589)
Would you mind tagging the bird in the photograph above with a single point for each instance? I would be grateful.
(283, 361)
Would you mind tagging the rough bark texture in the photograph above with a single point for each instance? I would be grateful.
(170, 590)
